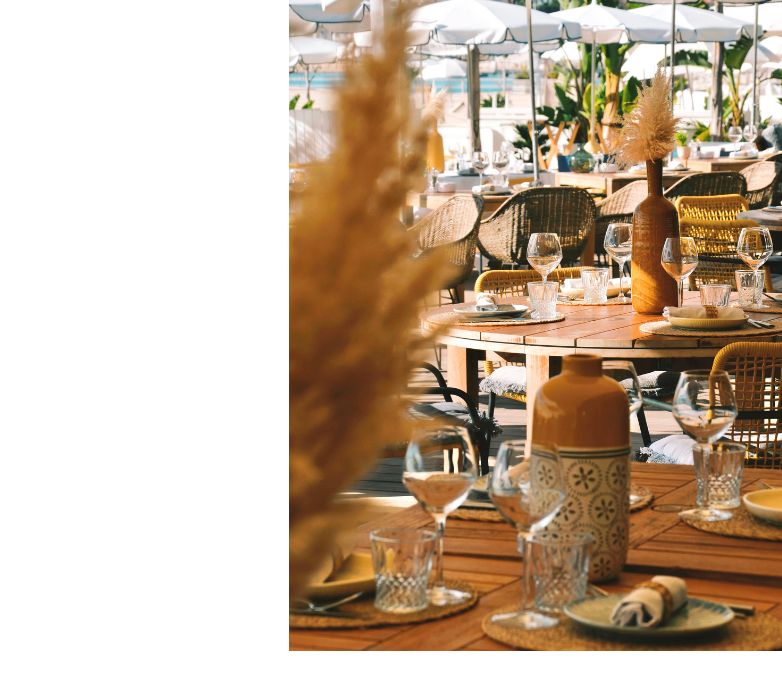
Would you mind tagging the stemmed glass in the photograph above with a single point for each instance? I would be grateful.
(705, 408)
(750, 132)
(735, 135)
(755, 247)
(679, 258)
(440, 469)
(618, 243)
(544, 253)
(500, 160)
(480, 161)
(528, 494)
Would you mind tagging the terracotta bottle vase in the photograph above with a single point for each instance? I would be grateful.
(654, 220)
(435, 156)
(584, 417)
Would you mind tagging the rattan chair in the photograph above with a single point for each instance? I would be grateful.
(710, 207)
(707, 184)
(717, 259)
(566, 211)
(454, 226)
(755, 370)
(762, 180)
(618, 207)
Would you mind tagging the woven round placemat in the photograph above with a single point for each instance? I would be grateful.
(449, 318)
(645, 497)
(369, 616)
(741, 525)
(665, 328)
(580, 302)
(759, 632)
(772, 308)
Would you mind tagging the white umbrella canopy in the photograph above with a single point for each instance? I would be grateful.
(769, 15)
(308, 51)
(438, 69)
(343, 16)
(641, 60)
(475, 22)
(606, 25)
(693, 24)
(297, 25)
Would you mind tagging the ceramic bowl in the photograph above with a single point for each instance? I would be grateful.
(765, 504)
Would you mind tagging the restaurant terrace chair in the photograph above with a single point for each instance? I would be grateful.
(618, 207)
(717, 259)
(566, 211)
(720, 207)
(509, 379)
(453, 226)
(762, 180)
(755, 370)
(707, 184)
(481, 427)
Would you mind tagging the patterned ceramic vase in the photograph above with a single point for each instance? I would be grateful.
(584, 417)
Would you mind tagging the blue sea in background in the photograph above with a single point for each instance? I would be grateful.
(489, 83)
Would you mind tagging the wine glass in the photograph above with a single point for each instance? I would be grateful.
(480, 161)
(500, 160)
(624, 373)
(528, 494)
(705, 408)
(750, 131)
(755, 247)
(679, 259)
(440, 470)
(544, 253)
(735, 134)
(618, 243)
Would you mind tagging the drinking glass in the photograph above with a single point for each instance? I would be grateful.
(718, 471)
(595, 283)
(705, 408)
(480, 161)
(544, 253)
(715, 295)
(560, 565)
(543, 299)
(528, 494)
(754, 247)
(735, 135)
(749, 284)
(679, 259)
(402, 559)
(440, 469)
(500, 160)
(750, 132)
(618, 243)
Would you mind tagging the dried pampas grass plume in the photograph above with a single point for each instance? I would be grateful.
(355, 291)
(435, 107)
(648, 130)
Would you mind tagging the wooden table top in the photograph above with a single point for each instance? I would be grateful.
(610, 182)
(769, 219)
(726, 569)
(610, 330)
(721, 164)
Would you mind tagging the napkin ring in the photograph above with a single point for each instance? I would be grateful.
(664, 592)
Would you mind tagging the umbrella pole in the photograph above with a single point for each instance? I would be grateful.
(474, 96)
(307, 78)
(534, 135)
(592, 135)
(673, 47)
(755, 101)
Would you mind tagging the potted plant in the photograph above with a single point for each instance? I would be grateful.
(682, 147)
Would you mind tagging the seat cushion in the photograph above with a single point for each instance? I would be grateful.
(509, 379)
(448, 409)
(658, 384)
(675, 449)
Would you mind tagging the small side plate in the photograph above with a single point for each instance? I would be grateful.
(695, 617)
(706, 323)
(765, 504)
(503, 310)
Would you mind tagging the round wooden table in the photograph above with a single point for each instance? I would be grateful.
(610, 331)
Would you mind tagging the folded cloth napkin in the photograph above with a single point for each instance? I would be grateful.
(651, 603)
(485, 302)
(340, 551)
(727, 312)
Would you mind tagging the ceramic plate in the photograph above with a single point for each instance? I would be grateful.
(503, 310)
(773, 208)
(765, 504)
(706, 323)
(695, 617)
(355, 575)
